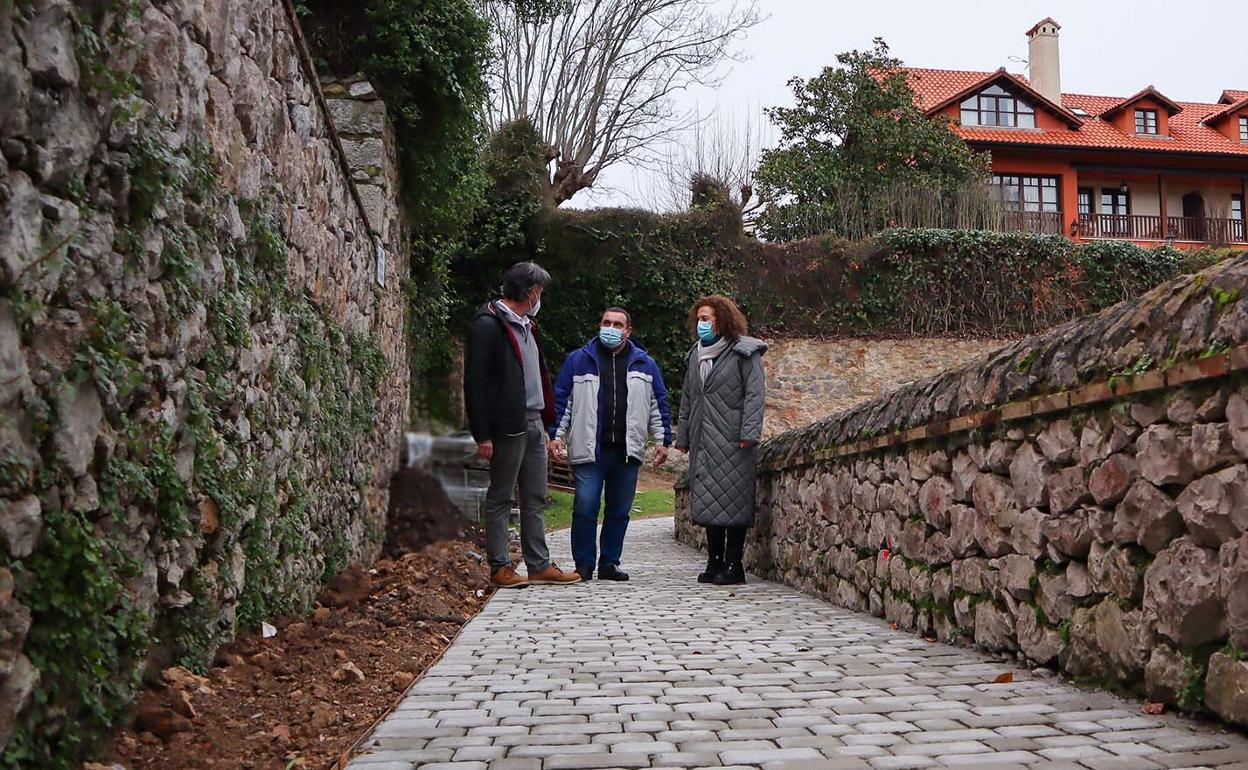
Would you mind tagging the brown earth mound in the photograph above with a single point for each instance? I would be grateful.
(303, 697)
(421, 513)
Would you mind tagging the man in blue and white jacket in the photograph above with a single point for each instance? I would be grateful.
(609, 402)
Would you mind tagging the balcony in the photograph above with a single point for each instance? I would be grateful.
(1042, 222)
(1148, 227)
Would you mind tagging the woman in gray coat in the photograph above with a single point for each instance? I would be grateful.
(720, 425)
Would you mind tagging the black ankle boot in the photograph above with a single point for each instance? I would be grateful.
(713, 566)
(611, 572)
(732, 574)
(586, 571)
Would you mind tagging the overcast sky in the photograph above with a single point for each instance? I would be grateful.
(1189, 49)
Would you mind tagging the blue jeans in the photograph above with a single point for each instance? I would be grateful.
(614, 474)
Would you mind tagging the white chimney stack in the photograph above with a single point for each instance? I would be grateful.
(1043, 60)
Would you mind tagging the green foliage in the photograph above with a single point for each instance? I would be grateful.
(1192, 697)
(656, 266)
(86, 640)
(933, 281)
(854, 132)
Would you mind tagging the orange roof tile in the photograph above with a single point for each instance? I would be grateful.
(1231, 95)
(1188, 132)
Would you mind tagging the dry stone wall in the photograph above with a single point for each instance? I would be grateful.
(202, 344)
(1078, 498)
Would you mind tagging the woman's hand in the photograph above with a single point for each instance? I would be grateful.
(684, 450)
(748, 444)
(485, 450)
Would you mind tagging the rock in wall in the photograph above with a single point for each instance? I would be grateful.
(1078, 499)
(202, 339)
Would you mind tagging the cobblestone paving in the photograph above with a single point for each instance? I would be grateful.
(663, 672)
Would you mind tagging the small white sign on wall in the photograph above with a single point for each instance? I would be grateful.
(381, 261)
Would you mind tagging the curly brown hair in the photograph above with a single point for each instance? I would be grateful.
(728, 317)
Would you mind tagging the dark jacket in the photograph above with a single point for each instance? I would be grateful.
(494, 378)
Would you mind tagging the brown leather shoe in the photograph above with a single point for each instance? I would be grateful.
(552, 575)
(506, 577)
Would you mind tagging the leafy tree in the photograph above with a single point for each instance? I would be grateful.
(855, 133)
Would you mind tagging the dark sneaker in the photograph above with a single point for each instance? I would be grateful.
(506, 577)
(585, 571)
(611, 572)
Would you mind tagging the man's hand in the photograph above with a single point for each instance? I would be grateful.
(684, 450)
(748, 444)
(660, 456)
(485, 450)
(557, 450)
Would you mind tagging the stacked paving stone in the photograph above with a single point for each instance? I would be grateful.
(1101, 529)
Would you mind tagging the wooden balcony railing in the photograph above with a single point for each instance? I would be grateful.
(1044, 222)
(1148, 227)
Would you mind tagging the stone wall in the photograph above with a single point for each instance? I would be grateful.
(202, 339)
(1078, 498)
(809, 379)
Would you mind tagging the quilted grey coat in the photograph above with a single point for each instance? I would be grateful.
(714, 419)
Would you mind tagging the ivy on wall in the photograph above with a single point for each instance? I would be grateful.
(259, 482)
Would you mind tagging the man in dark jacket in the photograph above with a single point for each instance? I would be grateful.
(610, 402)
(509, 400)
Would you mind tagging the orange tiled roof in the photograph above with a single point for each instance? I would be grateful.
(1188, 131)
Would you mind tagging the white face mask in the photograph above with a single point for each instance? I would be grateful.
(536, 307)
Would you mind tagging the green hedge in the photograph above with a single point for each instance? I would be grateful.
(931, 281)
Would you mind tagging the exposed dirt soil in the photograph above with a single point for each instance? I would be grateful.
(303, 697)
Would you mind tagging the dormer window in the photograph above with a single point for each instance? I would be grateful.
(994, 106)
(1243, 129)
(1146, 121)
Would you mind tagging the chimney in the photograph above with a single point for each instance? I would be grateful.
(1043, 60)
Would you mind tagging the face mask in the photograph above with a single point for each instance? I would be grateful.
(706, 332)
(536, 307)
(611, 337)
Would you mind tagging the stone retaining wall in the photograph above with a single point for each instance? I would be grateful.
(810, 379)
(1078, 498)
(202, 339)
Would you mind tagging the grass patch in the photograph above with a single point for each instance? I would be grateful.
(650, 504)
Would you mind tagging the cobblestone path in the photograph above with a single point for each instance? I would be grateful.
(663, 672)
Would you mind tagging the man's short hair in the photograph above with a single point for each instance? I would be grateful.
(628, 317)
(521, 278)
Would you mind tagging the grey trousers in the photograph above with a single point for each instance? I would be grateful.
(518, 459)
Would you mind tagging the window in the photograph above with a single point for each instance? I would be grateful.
(1027, 193)
(1238, 222)
(1085, 202)
(1115, 219)
(1243, 129)
(994, 106)
(1115, 202)
(1146, 121)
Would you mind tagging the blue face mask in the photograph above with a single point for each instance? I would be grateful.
(706, 333)
(611, 337)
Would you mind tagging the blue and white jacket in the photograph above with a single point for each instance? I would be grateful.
(579, 408)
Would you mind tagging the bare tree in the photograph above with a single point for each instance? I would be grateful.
(596, 76)
(722, 148)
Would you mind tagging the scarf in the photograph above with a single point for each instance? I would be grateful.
(708, 354)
